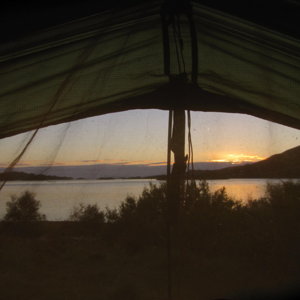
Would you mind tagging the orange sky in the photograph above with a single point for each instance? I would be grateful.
(140, 137)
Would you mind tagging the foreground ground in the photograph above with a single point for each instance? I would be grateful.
(221, 250)
(69, 260)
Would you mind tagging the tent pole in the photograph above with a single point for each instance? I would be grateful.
(175, 188)
(169, 263)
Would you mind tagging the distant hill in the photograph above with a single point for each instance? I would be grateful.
(13, 176)
(283, 165)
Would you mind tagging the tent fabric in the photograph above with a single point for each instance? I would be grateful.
(115, 61)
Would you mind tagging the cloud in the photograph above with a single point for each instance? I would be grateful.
(160, 163)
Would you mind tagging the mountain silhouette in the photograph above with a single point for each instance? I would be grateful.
(283, 165)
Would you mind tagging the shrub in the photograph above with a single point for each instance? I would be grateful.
(87, 213)
(200, 199)
(24, 208)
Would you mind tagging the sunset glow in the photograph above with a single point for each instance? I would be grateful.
(238, 158)
(41, 163)
(232, 158)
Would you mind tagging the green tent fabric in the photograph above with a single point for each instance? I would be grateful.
(116, 60)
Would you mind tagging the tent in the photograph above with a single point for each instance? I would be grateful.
(173, 56)
(145, 56)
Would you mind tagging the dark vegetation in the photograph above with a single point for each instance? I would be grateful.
(223, 249)
(23, 209)
(87, 213)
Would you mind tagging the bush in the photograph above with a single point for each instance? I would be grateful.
(87, 213)
(24, 208)
(201, 208)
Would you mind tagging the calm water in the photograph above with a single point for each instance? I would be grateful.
(59, 197)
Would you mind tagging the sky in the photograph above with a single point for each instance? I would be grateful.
(140, 137)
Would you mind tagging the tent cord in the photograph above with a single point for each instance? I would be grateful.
(181, 43)
(175, 34)
(178, 40)
(190, 165)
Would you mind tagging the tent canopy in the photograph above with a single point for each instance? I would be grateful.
(143, 57)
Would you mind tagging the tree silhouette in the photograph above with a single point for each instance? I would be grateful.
(24, 208)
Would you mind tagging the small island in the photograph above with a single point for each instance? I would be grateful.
(22, 176)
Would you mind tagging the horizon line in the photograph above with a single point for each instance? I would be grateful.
(154, 164)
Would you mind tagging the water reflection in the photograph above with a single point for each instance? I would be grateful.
(59, 197)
